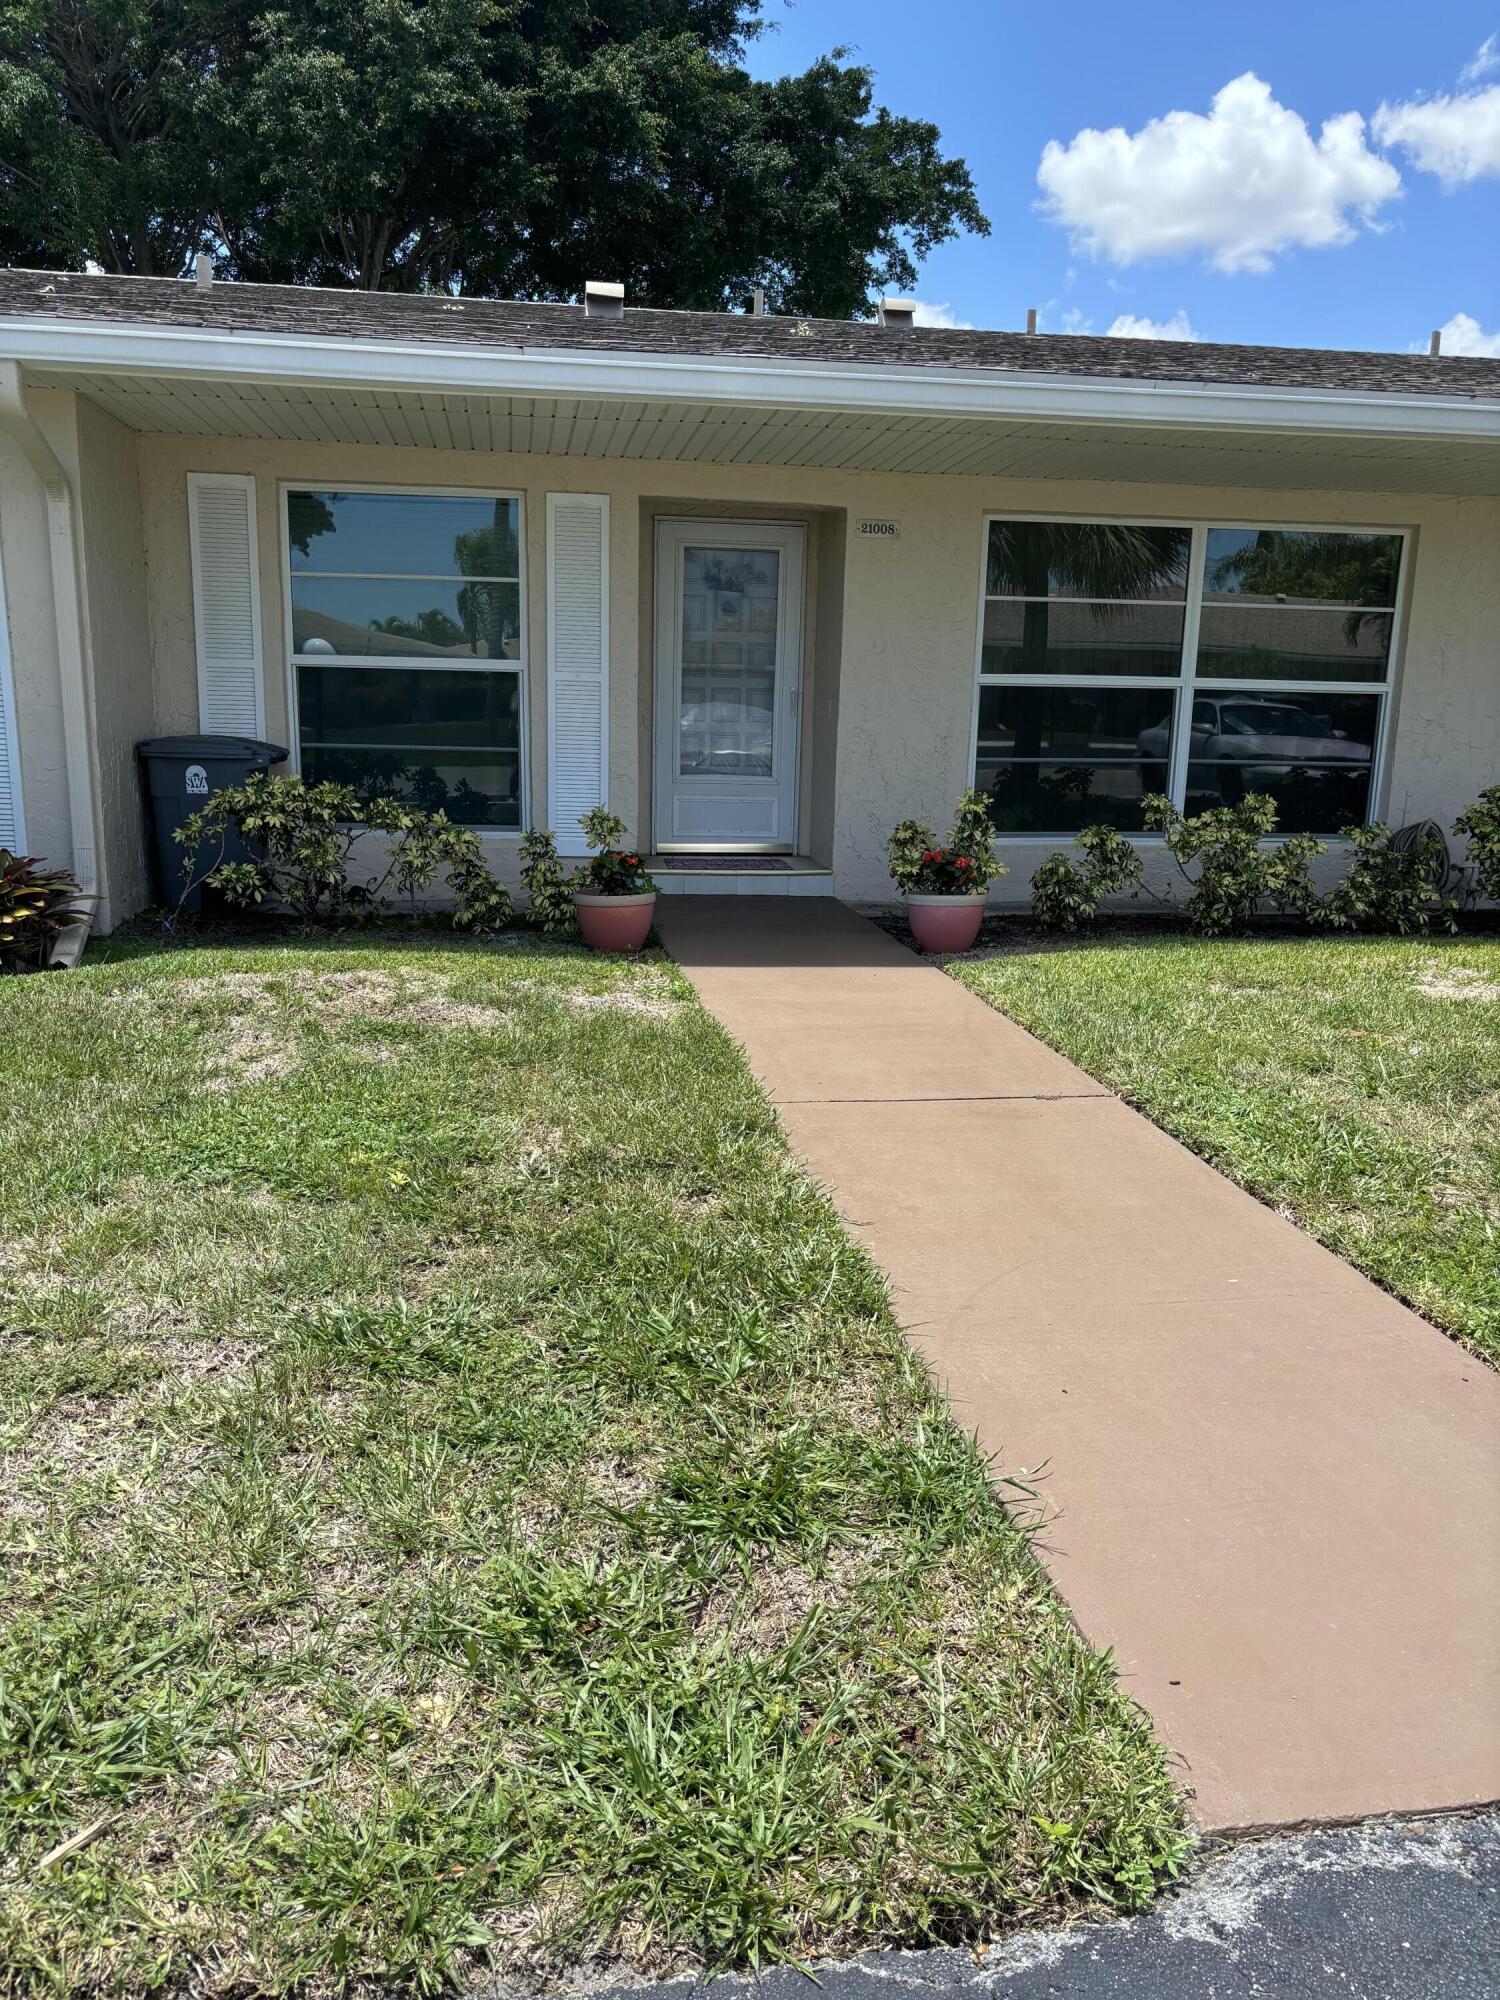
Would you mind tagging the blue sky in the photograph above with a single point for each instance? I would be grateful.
(1239, 217)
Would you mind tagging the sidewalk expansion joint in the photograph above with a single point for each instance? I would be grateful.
(963, 1097)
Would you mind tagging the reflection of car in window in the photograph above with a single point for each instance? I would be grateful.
(1248, 737)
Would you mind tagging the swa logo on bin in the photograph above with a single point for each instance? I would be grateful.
(195, 781)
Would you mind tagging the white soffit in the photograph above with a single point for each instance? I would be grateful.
(854, 440)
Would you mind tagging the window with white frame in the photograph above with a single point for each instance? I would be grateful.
(408, 646)
(1118, 659)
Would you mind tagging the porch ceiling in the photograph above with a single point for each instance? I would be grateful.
(855, 440)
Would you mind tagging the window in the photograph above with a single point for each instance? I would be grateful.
(407, 647)
(1118, 659)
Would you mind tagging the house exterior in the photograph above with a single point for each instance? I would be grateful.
(766, 585)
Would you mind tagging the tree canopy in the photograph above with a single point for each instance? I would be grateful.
(506, 148)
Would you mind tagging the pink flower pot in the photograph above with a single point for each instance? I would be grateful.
(945, 923)
(615, 923)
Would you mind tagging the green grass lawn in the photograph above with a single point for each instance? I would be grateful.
(1353, 1084)
(464, 1500)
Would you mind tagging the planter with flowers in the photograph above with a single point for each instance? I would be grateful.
(614, 898)
(943, 887)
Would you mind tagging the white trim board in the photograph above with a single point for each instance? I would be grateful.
(754, 382)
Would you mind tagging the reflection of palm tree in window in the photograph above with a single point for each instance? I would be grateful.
(1038, 560)
(486, 552)
(1314, 568)
(430, 628)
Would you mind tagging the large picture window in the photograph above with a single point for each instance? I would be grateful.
(1118, 659)
(408, 646)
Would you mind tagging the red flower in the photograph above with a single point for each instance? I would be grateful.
(962, 861)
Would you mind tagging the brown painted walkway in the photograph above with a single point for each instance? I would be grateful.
(1276, 1491)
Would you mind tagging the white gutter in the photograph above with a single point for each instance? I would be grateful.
(746, 382)
(17, 422)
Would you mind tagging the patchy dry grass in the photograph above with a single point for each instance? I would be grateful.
(1354, 1083)
(465, 1503)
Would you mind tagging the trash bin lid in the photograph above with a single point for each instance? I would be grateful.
(212, 746)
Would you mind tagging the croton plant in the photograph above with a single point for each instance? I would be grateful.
(37, 904)
(963, 866)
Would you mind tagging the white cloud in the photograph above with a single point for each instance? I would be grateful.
(1464, 335)
(1457, 138)
(1485, 60)
(931, 313)
(1238, 186)
(1134, 326)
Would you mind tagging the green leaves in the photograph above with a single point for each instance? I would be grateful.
(1065, 894)
(37, 905)
(307, 835)
(1389, 888)
(1237, 878)
(967, 864)
(506, 148)
(1479, 824)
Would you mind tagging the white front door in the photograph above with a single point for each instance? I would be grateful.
(728, 683)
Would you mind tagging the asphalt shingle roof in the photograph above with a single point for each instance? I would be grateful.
(504, 323)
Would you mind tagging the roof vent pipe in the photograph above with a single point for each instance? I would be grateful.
(758, 302)
(603, 300)
(1031, 319)
(899, 313)
(1435, 345)
(203, 269)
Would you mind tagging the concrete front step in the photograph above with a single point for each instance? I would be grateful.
(796, 875)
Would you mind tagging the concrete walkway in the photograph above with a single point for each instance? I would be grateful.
(1273, 1490)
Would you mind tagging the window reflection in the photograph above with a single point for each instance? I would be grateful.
(1285, 616)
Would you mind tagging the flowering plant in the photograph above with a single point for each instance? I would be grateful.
(615, 870)
(966, 865)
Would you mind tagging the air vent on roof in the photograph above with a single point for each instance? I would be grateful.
(603, 300)
(899, 313)
(203, 268)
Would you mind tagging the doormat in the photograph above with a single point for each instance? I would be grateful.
(721, 864)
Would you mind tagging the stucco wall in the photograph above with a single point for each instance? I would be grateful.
(905, 621)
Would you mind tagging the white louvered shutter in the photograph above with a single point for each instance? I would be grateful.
(577, 662)
(226, 603)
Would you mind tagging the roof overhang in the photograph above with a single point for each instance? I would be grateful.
(619, 403)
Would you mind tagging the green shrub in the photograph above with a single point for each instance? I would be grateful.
(37, 905)
(548, 889)
(920, 867)
(306, 836)
(1480, 826)
(614, 869)
(1065, 894)
(1391, 889)
(1238, 879)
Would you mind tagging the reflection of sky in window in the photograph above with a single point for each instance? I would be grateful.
(410, 533)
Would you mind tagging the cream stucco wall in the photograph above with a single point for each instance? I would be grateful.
(99, 456)
(891, 626)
